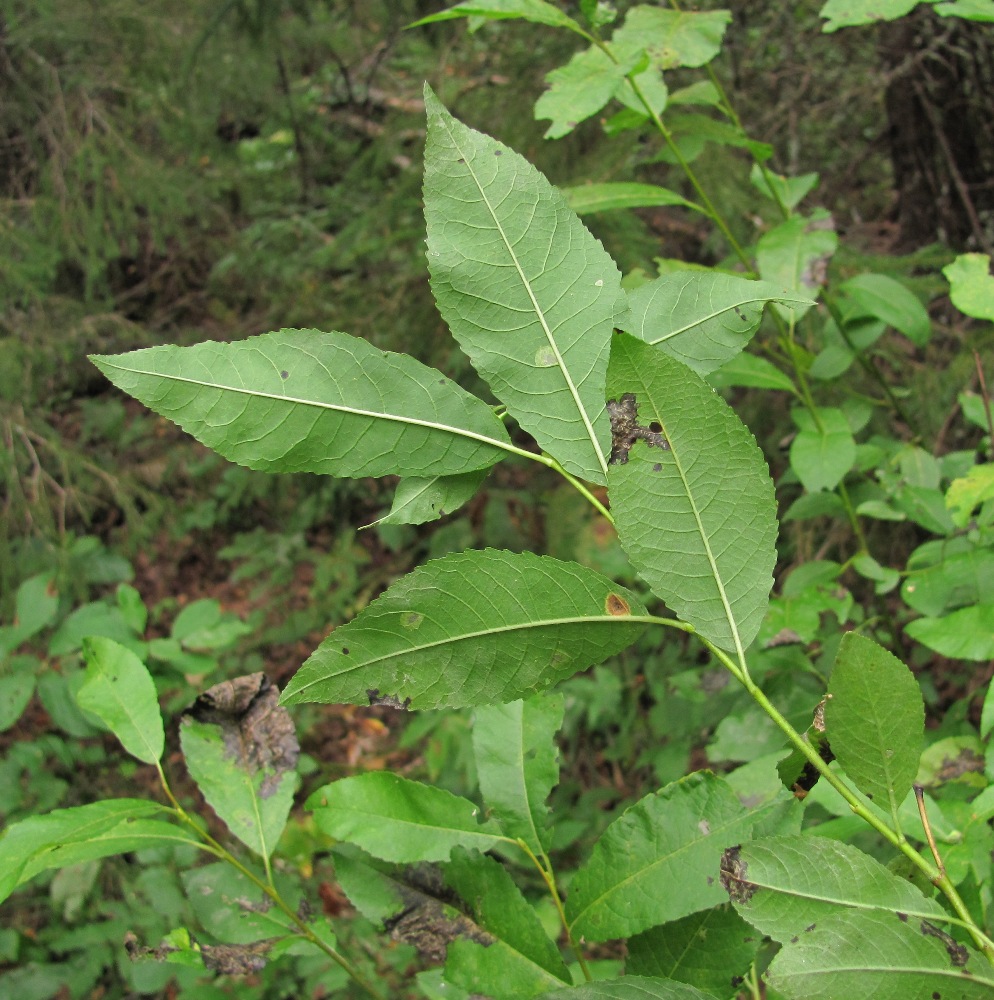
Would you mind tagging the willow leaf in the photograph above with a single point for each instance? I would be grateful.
(528, 293)
(879, 955)
(702, 319)
(472, 628)
(783, 884)
(306, 401)
(419, 500)
(692, 496)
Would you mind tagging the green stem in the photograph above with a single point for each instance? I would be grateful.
(940, 880)
(270, 890)
(583, 489)
(544, 867)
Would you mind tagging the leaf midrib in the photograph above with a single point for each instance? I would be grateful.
(574, 392)
(467, 636)
(339, 408)
(758, 300)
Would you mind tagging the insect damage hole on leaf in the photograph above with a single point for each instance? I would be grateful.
(626, 430)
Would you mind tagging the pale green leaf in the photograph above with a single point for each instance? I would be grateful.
(875, 720)
(966, 634)
(672, 38)
(418, 500)
(794, 255)
(751, 371)
(119, 691)
(703, 320)
(822, 452)
(704, 949)
(537, 11)
(631, 988)
(241, 749)
(970, 10)
(968, 492)
(659, 860)
(81, 833)
(578, 90)
(850, 13)
(306, 401)
(890, 301)
(17, 685)
(400, 820)
(529, 294)
(590, 198)
(517, 764)
(472, 628)
(878, 955)
(523, 961)
(35, 606)
(789, 190)
(652, 93)
(697, 516)
(971, 285)
(784, 884)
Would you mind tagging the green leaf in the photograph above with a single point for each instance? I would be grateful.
(871, 954)
(400, 820)
(119, 691)
(822, 453)
(472, 628)
(523, 961)
(579, 90)
(659, 860)
(971, 285)
(850, 13)
(945, 575)
(890, 301)
(783, 884)
(418, 500)
(969, 492)
(794, 255)
(703, 320)
(752, 372)
(529, 294)
(966, 634)
(517, 764)
(672, 38)
(790, 190)
(697, 518)
(68, 836)
(704, 949)
(241, 749)
(630, 988)
(590, 198)
(35, 606)
(875, 720)
(17, 685)
(306, 401)
(970, 10)
(537, 11)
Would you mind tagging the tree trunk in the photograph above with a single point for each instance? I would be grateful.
(939, 107)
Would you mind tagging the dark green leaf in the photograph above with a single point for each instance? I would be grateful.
(529, 294)
(875, 720)
(400, 820)
(472, 628)
(705, 949)
(306, 401)
(523, 961)
(696, 515)
(890, 301)
(631, 988)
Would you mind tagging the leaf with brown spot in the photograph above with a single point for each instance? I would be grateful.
(241, 749)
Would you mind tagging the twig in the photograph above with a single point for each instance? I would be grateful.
(920, 796)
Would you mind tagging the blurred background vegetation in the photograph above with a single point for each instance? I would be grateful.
(212, 169)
